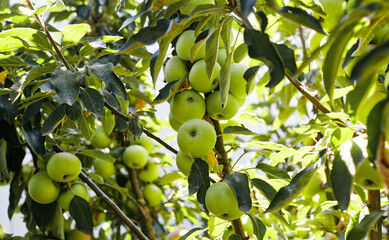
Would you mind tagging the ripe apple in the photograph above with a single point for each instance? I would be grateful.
(368, 177)
(184, 162)
(64, 167)
(185, 42)
(186, 105)
(153, 195)
(42, 188)
(100, 139)
(78, 189)
(176, 234)
(199, 80)
(76, 235)
(237, 82)
(135, 156)
(221, 201)
(174, 123)
(104, 168)
(215, 107)
(175, 69)
(196, 138)
(144, 141)
(193, 3)
(150, 172)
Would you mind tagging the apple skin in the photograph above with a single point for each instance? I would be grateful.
(76, 235)
(144, 141)
(187, 105)
(215, 106)
(176, 234)
(199, 80)
(368, 177)
(153, 195)
(100, 139)
(174, 123)
(42, 189)
(104, 168)
(193, 3)
(185, 42)
(150, 172)
(78, 189)
(237, 82)
(221, 201)
(184, 163)
(64, 167)
(196, 138)
(135, 156)
(175, 69)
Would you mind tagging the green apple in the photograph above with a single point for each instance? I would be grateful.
(221, 56)
(199, 80)
(174, 123)
(193, 3)
(100, 139)
(135, 156)
(184, 44)
(240, 53)
(42, 189)
(64, 167)
(104, 168)
(153, 195)
(175, 69)
(215, 107)
(144, 141)
(176, 234)
(237, 82)
(150, 172)
(66, 197)
(184, 162)
(98, 218)
(221, 201)
(76, 235)
(196, 138)
(368, 177)
(186, 105)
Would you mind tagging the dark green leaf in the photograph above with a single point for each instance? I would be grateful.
(245, 7)
(301, 17)
(287, 56)
(54, 119)
(168, 91)
(135, 127)
(264, 187)
(11, 61)
(80, 210)
(234, 237)
(273, 171)
(193, 231)
(263, 19)
(31, 111)
(249, 76)
(15, 192)
(359, 231)
(8, 110)
(342, 182)
(94, 153)
(239, 182)
(73, 112)
(129, 20)
(34, 138)
(238, 130)
(4, 173)
(57, 223)
(199, 176)
(92, 100)
(87, 126)
(43, 213)
(105, 72)
(261, 48)
(374, 128)
(65, 84)
(111, 100)
(258, 226)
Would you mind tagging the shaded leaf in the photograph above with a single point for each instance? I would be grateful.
(65, 84)
(287, 56)
(342, 182)
(359, 231)
(258, 226)
(135, 127)
(198, 177)
(168, 91)
(80, 210)
(11, 61)
(273, 171)
(43, 213)
(245, 7)
(301, 17)
(111, 100)
(238, 130)
(54, 119)
(15, 192)
(92, 100)
(73, 112)
(4, 173)
(94, 153)
(240, 184)
(375, 125)
(264, 187)
(86, 126)
(34, 138)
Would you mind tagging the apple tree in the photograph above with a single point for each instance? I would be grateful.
(195, 119)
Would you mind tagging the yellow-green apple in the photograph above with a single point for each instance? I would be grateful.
(184, 162)
(76, 235)
(186, 105)
(238, 83)
(175, 69)
(221, 56)
(221, 201)
(193, 3)
(42, 189)
(150, 172)
(240, 53)
(144, 141)
(198, 77)
(78, 189)
(174, 123)
(100, 139)
(176, 234)
(184, 44)
(104, 168)
(64, 167)
(368, 177)
(215, 107)
(135, 156)
(196, 138)
(153, 195)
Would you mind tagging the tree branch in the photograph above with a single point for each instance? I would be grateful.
(222, 156)
(374, 203)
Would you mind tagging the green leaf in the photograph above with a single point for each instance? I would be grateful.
(135, 127)
(34, 138)
(43, 213)
(273, 171)
(4, 173)
(108, 121)
(264, 187)
(245, 7)
(211, 50)
(168, 91)
(240, 53)
(38, 71)
(301, 17)
(9, 44)
(192, 233)
(65, 84)
(58, 6)
(87, 126)
(261, 48)
(73, 112)
(54, 119)
(105, 72)
(73, 33)
(198, 180)
(239, 182)
(80, 210)
(34, 98)
(375, 125)
(94, 153)
(342, 182)
(238, 130)
(225, 79)
(359, 231)
(57, 223)
(92, 100)
(32, 37)
(170, 178)
(341, 135)
(11, 61)
(258, 226)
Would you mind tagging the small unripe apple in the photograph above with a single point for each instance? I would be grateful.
(174, 123)
(215, 107)
(196, 138)
(184, 162)
(240, 53)
(153, 195)
(42, 189)
(100, 139)
(176, 234)
(186, 105)
(64, 167)
(76, 235)
(237, 82)
(199, 80)
(144, 141)
(104, 168)
(175, 69)
(221, 56)
(150, 172)
(66, 197)
(135, 156)
(185, 42)
(368, 177)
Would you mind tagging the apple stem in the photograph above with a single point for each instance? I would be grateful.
(238, 228)
(113, 205)
(374, 203)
